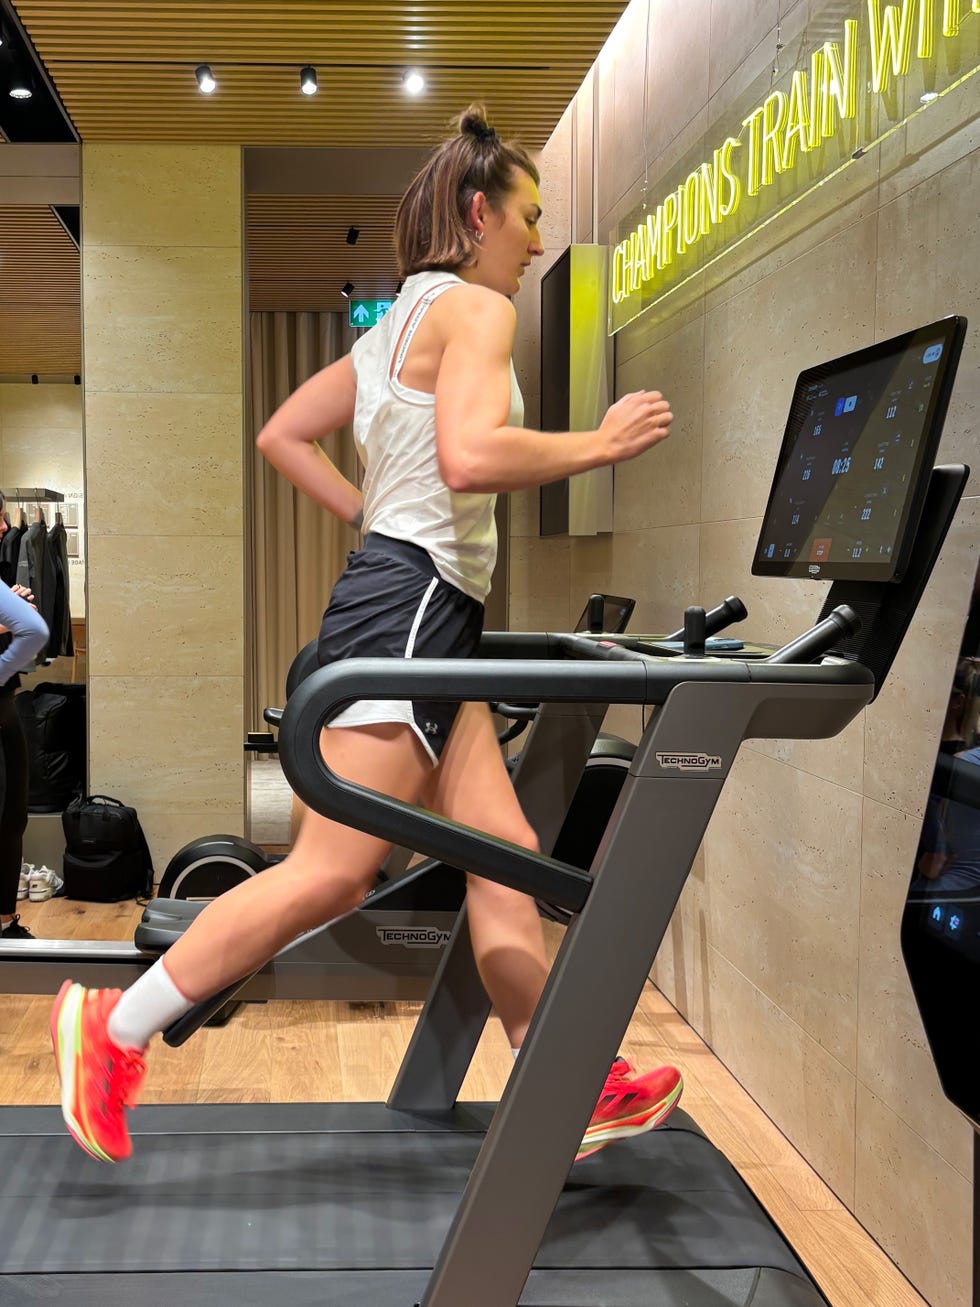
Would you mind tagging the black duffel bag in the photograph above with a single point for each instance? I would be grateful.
(53, 718)
(106, 854)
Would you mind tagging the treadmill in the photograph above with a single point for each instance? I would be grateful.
(424, 1200)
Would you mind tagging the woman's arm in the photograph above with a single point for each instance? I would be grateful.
(29, 630)
(478, 453)
(287, 440)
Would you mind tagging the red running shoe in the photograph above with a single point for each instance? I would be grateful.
(98, 1080)
(629, 1107)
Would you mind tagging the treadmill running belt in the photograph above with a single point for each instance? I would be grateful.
(357, 1199)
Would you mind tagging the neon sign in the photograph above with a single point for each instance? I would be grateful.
(889, 62)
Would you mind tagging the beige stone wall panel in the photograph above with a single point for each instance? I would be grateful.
(783, 853)
(187, 451)
(169, 744)
(163, 319)
(798, 1083)
(663, 486)
(174, 195)
(917, 1206)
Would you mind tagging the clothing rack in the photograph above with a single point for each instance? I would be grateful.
(33, 495)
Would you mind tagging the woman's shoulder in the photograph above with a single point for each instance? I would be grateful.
(467, 305)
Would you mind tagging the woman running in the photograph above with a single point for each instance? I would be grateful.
(437, 418)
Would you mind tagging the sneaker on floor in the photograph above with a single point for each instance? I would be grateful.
(44, 884)
(631, 1105)
(14, 930)
(99, 1081)
(23, 885)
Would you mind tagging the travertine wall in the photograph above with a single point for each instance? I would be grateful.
(162, 330)
(41, 445)
(784, 951)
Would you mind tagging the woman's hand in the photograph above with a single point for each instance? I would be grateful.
(635, 423)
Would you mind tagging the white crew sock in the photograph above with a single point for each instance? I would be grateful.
(151, 1004)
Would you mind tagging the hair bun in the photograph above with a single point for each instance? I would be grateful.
(474, 123)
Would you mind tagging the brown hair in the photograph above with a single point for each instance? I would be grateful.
(430, 226)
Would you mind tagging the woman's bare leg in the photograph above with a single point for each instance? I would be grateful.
(328, 871)
(472, 786)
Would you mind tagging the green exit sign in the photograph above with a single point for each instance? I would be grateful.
(367, 313)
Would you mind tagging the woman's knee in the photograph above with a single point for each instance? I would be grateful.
(313, 898)
(521, 834)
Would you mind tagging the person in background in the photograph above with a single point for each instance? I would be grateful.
(23, 633)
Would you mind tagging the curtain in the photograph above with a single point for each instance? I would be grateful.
(295, 549)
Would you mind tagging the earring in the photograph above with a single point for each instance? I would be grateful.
(477, 236)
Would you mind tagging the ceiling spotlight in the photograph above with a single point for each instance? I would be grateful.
(347, 289)
(20, 91)
(414, 82)
(307, 80)
(352, 235)
(205, 81)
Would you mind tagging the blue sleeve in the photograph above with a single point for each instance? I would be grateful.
(29, 631)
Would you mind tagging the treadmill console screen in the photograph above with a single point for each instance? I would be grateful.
(616, 613)
(941, 922)
(854, 464)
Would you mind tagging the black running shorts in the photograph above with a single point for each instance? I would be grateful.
(392, 603)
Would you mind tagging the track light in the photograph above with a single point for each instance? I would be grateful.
(307, 80)
(347, 289)
(352, 235)
(205, 80)
(414, 82)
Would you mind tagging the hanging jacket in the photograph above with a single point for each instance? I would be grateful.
(61, 641)
(9, 554)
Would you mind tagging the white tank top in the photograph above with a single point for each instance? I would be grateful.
(395, 433)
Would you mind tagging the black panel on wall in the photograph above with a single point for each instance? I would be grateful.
(555, 325)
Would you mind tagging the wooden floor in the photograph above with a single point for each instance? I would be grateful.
(298, 1052)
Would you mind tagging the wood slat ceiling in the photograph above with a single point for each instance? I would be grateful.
(298, 256)
(125, 72)
(40, 295)
(125, 68)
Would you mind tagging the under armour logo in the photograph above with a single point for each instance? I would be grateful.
(431, 728)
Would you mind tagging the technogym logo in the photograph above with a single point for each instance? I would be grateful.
(413, 937)
(690, 761)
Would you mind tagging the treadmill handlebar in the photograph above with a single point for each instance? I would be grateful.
(838, 625)
(493, 644)
(627, 678)
(330, 689)
(728, 612)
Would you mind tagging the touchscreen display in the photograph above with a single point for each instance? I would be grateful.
(859, 445)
